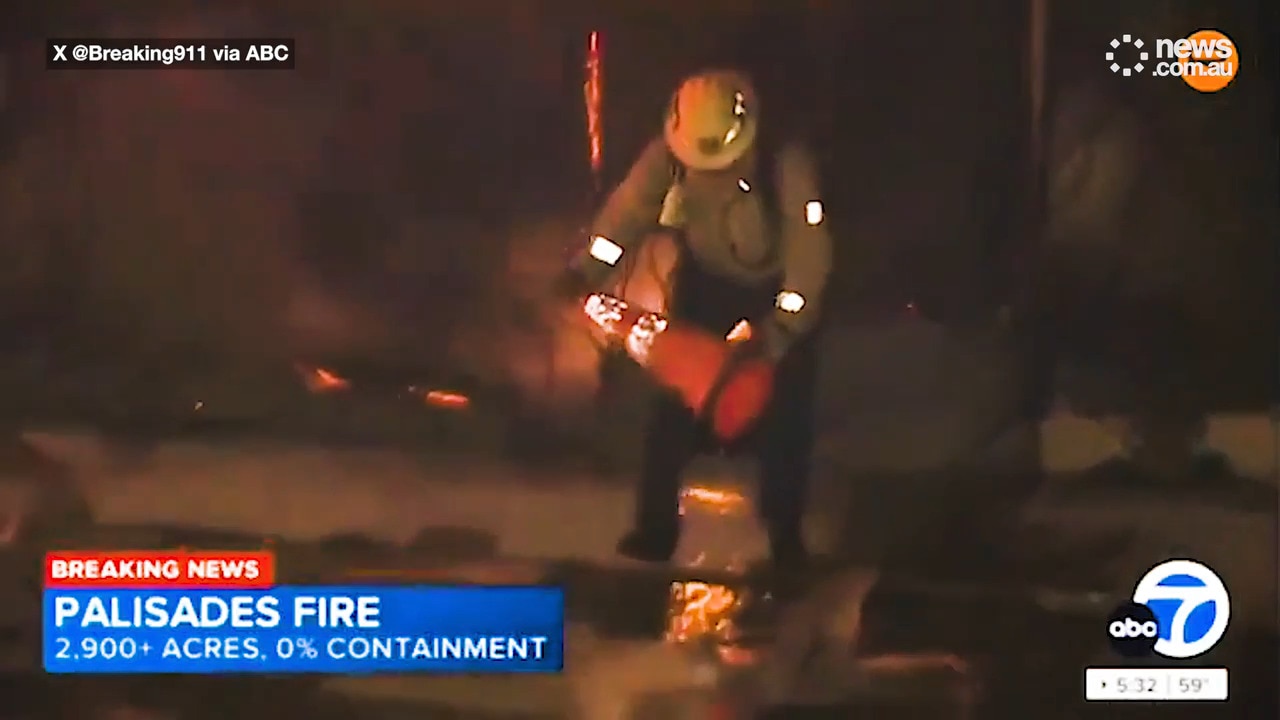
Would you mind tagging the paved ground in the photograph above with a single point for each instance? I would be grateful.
(308, 492)
(330, 509)
(1029, 661)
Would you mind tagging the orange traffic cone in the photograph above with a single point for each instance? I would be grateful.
(689, 361)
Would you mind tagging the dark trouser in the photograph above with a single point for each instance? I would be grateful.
(782, 439)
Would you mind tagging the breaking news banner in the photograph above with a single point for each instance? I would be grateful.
(221, 612)
(174, 54)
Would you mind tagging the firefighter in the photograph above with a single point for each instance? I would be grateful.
(748, 219)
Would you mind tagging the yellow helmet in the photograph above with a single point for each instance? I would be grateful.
(712, 120)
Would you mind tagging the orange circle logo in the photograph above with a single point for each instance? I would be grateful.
(1207, 60)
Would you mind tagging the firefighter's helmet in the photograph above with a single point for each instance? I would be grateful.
(712, 119)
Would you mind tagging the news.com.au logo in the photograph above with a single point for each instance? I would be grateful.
(1206, 60)
(1179, 610)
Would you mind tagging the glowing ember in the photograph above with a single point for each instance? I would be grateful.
(740, 332)
(320, 380)
(700, 610)
(722, 502)
(446, 399)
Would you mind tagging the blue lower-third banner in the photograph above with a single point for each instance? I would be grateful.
(375, 629)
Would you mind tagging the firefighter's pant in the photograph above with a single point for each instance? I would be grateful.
(782, 440)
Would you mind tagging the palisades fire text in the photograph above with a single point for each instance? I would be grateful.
(199, 612)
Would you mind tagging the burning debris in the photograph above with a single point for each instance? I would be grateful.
(701, 611)
(721, 502)
(319, 380)
(593, 95)
(443, 399)
(322, 381)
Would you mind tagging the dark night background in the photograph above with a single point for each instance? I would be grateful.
(174, 217)
(398, 205)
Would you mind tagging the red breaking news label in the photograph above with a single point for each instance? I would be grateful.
(171, 53)
(145, 569)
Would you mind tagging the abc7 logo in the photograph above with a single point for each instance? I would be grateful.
(1133, 630)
